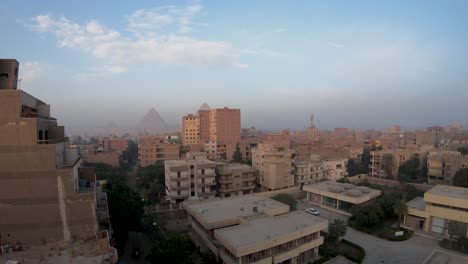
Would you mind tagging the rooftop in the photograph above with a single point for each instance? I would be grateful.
(228, 167)
(449, 191)
(217, 212)
(343, 191)
(268, 228)
(417, 203)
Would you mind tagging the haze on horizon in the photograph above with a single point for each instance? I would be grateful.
(356, 64)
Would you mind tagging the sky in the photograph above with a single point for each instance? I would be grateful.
(356, 64)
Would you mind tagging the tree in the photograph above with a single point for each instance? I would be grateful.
(337, 229)
(409, 169)
(125, 209)
(400, 208)
(367, 216)
(237, 155)
(461, 178)
(388, 164)
(174, 249)
(286, 199)
(355, 167)
(105, 171)
(365, 159)
(463, 150)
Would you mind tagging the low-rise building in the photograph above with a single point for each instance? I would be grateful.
(443, 165)
(335, 168)
(275, 166)
(191, 178)
(111, 158)
(254, 229)
(234, 179)
(308, 171)
(440, 206)
(154, 149)
(339, 196)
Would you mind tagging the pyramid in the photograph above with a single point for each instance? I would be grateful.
(152, 122)
(204, 106)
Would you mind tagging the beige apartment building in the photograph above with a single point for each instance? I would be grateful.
(234, 179)
(275, 166)
(308, 171)
(395, 157)
(442, 166)
(152, 149)
(254, 229)
(340, 197)
(191, 178)
(440, 206)
(190, 130)
(46, 195)
(335, 168)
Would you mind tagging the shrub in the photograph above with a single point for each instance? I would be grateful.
(361, 255)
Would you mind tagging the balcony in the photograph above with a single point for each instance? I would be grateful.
(179, 188)
(53, 141)
(36, 115)
(207, 193)
(225, 180)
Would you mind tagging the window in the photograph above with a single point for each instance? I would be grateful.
(178, 174)
(178, 192)
(202, 172)
(203, 190)
(203, 180)
(192, 193)
(4, 75)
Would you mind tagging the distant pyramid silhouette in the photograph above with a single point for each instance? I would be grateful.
(204, 106)
(152, 122)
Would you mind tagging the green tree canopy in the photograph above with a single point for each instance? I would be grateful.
(463, 150)
(174, 249)
(337, 229)
(365, 159)
(367, 216)
(388, 163)
(355, 167)
(286, 199)
(410, 169)
(237, 155)
(461, 178)
(125, 209)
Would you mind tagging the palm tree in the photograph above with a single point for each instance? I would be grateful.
(388, 164)
(400, 209)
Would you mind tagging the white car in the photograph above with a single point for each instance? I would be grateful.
(312, 211)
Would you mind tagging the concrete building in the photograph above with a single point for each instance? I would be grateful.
(275, 166)
(152, 149)
(46, 195)
(339, 197)
(112, 144)
(224, 125)
(440, 206)
(254, 229)
(190, 130)
(334, 168)
(234, 179)
(442, 166)
(395, 157)
(191, 178)
(111, 158)
(308, 171)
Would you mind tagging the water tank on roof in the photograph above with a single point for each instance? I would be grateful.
(9, 69)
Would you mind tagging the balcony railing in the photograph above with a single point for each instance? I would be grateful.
(36, 115)
(53, 141)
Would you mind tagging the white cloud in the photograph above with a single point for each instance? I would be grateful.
(150, 42)
(98, 72)
(335, 45)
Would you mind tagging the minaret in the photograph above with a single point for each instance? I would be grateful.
(312, 121)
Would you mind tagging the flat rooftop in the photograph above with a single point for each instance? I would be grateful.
(417, 203)
(183, 162)
(221, 212)
(449, 191)
(343, 191)
(268, 228)
(228, 167)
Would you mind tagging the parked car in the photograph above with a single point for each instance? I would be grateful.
(312, 211)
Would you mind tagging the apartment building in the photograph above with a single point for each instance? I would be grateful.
(254, 229)
(440, 206)
(334, 168)
(275, 166)
(191, 178)
(391, 159)
(46, 194)
(308, 171)
(152, 149)
(442, 166)
(112, 144)
(281, 139)
(190, 130)
(234, 179)
(111, 158)
(339, 197)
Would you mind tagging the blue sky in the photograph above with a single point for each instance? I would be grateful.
(358, 64)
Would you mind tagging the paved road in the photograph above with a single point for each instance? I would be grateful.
(325, 213)
(414, 250)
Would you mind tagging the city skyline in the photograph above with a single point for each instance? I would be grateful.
(356, 65)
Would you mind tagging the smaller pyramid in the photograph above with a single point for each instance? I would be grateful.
(204, 106)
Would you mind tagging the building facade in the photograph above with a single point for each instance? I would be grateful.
(234, 179)
(192, 178)
(441, 206)
(308, 171)
(46, 194)
(155, 149)
(275, 166)
(254, 229)
(443, 165)
(190, 130)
